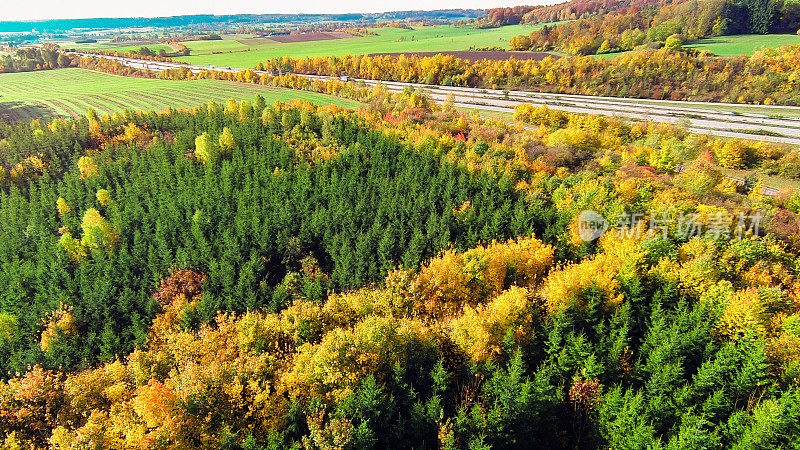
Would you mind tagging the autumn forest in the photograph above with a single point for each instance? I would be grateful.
(412, 272)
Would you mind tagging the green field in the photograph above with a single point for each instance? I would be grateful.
(65, 92)
(249, 52)
(612, 55)
(119, 48)
(743, 44)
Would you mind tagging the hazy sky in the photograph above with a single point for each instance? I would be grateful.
(70, 9)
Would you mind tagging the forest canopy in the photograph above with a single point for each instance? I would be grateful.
(599, 28)
(253, 276)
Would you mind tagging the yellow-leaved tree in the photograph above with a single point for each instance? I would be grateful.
(453, 279)
(227, 143)
(246, 110)
(103, 197)
(482, 330)
(63, 207)
(761, 311)
(98, 232)
(88, 167)
(232, 107)
(205, 149)
(9, 325)
(346, 356)
(57, 324)
(579, 284)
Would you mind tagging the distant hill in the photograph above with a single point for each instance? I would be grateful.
(52, 26)
(589, 27)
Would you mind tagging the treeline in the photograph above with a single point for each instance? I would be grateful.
(671, 24)
(766, 77)
(29, 59)
(163, 55)
(115, 67)
(330, 86)
(769, 76)
(570, 10)
(142, 53)
(497, 17)
(236, 228)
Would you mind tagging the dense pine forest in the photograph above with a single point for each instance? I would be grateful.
(249, 217)
(252, 276)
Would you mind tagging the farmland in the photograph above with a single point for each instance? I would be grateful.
(249, 52)
(740, 44)
(68, 92)
(128, 47)
(743, 44)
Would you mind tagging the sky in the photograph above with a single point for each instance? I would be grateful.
(73, 9)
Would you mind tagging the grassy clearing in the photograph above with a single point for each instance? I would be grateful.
(773, 181)
(743, 44)
(499, 115)
(430, 39)
(69, 92)
(612, 55)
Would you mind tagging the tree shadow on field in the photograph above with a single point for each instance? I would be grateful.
(15, 111)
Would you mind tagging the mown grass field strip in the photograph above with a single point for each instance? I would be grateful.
(181, 100)
(743, 44)
(736, 109)
(127, 90)
(70, 92)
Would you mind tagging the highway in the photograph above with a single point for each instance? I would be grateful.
(699, 117)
